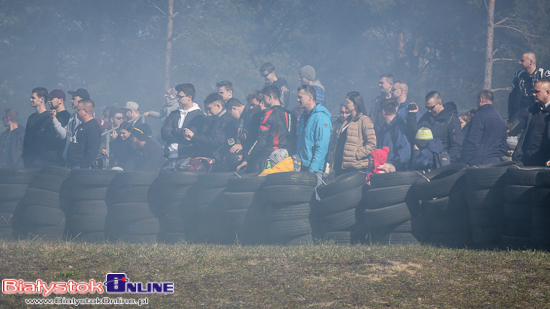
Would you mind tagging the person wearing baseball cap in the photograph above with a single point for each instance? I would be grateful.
(68, 130)
(132, 112)
(52, 144)
(149, 155)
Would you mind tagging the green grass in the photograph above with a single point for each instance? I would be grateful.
(323, 275)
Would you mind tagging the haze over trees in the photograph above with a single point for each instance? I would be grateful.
(118, 49)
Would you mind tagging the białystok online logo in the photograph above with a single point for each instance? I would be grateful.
(114, 283)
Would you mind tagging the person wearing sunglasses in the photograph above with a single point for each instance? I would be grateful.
(442, 120)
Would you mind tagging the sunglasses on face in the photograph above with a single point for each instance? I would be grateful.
(430, 107)
(265, 75)
(118, 118)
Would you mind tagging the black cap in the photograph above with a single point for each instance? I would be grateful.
(81, 92)
(56, 93)
(141, 131)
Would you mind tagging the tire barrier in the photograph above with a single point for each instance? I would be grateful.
(129, 217)
(287, 199)
(392, 211)
(13, 185)
(87, 211)
(165, 197)
(495, 205)
(336, 213)
(40, 212)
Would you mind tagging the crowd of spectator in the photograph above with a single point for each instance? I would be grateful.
(257, 136)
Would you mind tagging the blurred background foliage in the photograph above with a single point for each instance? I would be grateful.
(117, 49)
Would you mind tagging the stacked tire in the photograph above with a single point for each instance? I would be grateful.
(336, 211)
(13, 185)
(287, 200)
(244, 212)
(87, 211)
(485, 198)
(540, 201)
(165, 197)
(390, 208)
(129, 217)
(204, 212)
(40, 212)
(442, 206)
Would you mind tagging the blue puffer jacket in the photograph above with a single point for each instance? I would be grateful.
(314, 138)
(423, 159)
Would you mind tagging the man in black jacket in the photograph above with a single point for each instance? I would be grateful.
(187, 116)
(276, 131)
(442, 120)
(84, 146)
(521, 98)
(220, 132)
(534, 145)
(485, 142)
(11, 141)
(36, 125)
(149, 155)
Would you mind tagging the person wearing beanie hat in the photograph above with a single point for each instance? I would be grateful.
(307, 77)
(423, 136)
(149, 156)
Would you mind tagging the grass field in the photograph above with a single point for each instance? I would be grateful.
(318, 276)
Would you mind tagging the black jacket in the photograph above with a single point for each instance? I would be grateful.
(34, 132)
(149, 159)
(13, 152)
(277, 131)
(84, 146)
(486, 138)
(535, 143)
(521, 95)
(444, 126)
(219, 135)
(170, 132)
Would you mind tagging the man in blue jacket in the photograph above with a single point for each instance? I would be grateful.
(393, 136)
(486, 139)
(313, 132)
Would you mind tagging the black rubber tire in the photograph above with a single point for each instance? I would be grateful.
(84, 192)
(172, 224)
(518, 194)
(93, 177)
(238, 200)
(440, 182)
(6, 233)
(540, 197)
(393, 179)
(436, 206)
(509, 242)
(246, 183)
(518, 227)
(55, 171)
(543, 179)
(146, 226)
(484, 198)
(17, 176)
(339, 202)
(139, 239)
(487, 175)
(180, 178)
(341, 183)
(89, 208)
(174, 238)
(47, 232)
(38, 215)
(375, 218)
(173, 194)
(523, 176)
(47, 182)
(339, 238)
(384, 197)
(284, 229)
(541, 236)
(398, 239)
(286, 212)
(96, 237)
(291, 179)
(136, 178)
(540, 216)
(303, 240)
(132, 194)
(6, 220)
(214, 180)
(235, 218)
(338, 222)
(130, 212)
(208, 196)
(514, 210)
(486, 217)
(12, 192)
(487, 235)
(449, 225)
(40, 197)
(8, 207)
(287, 194)
(86, 224)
